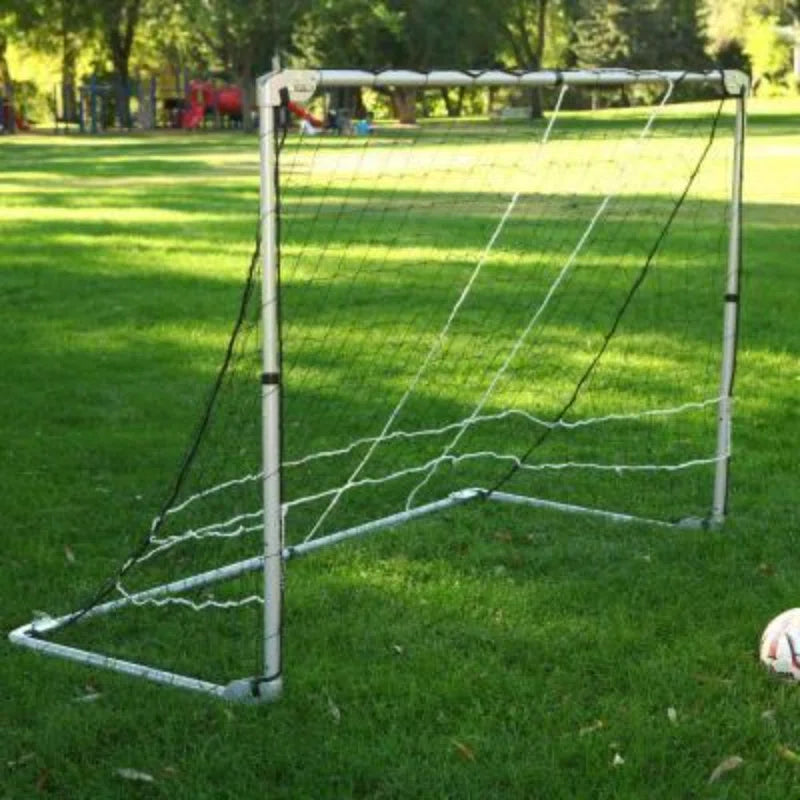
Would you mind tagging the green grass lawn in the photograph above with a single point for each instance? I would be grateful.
(497, 652)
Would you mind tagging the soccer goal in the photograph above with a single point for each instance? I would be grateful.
(445, 318)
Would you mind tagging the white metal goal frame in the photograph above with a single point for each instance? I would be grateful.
(273, 92)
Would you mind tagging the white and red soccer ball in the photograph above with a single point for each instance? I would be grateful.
(780, 644)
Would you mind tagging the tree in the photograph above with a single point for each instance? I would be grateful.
(118, 22)
(62, 25)
(413, 34)
(769, 56)
(244, 35)
(524, 28)
(640, 34)
(603, 34)
(9, 29)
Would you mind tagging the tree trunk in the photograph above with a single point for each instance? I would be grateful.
(538, 56)
(247, 103)
(454, 106)
(123, 96)
(7, 89)
(69, 103)
(535, 103)
(404, 105)
(120, 23)
(360, 108)
(69, 61)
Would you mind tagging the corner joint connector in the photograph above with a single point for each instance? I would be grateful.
(298, 84)
(736, 83)
(254, 690)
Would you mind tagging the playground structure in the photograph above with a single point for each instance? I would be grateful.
(205, 101)
(221, 105)
(100, 104)
(103, 103)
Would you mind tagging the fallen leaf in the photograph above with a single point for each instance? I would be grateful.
(334, 710)
(766, 569)
(788, 755)
(768, 715)
(464, 750)
(135, 775)
(43, 780)
(672, 715)
(713, 679)
(23, 759)
(68, 554)
(617, 761)
(725, 766)
(595, 726)
(398, 649)
(88, 697)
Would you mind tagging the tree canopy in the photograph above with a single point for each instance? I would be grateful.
(240, 38)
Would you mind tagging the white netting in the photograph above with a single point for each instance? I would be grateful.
(489, 306)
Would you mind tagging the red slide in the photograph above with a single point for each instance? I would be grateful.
(227, 100)
(203, 96)
(192, 116)
(299, 111)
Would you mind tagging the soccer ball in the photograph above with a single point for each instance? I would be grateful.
(780, 644)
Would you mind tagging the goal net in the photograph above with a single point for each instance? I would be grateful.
(453, 313)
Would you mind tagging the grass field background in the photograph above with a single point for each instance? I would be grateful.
(503, 655)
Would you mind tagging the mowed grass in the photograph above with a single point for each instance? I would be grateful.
(484, 653)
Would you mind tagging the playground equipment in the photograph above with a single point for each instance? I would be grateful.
(203, 98)
(97, 105)
(102, 103)
(299, 111)
(223, 102)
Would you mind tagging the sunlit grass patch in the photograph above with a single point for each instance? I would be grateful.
(488, 651)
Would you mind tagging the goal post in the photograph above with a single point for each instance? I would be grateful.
(439, 316)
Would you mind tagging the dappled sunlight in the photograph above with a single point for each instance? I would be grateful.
(173, 253)
(109, 214)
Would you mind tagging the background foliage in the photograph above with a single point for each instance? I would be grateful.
(44, 42)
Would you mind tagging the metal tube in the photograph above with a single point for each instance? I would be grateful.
(615, 516)
(22, 636)
(227, 572)
(409, 78)
(378, 524)
(271, 403)
(730, 320)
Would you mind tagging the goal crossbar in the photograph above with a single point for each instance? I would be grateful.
(301, 84)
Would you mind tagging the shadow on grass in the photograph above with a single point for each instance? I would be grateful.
(110, 342)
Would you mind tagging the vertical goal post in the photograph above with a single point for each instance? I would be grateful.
(466, 443)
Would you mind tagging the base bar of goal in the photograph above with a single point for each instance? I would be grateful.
(32, 635)
(274, 91)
